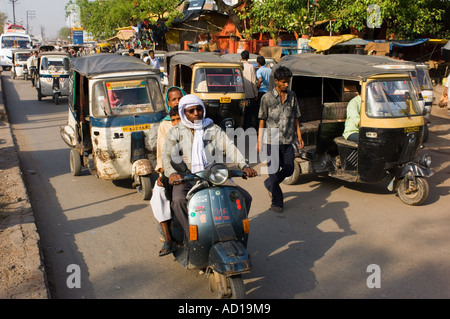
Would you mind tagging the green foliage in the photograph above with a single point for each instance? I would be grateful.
(404, 18)
(102, 17)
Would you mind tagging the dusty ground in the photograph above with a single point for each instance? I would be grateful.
(21, 272)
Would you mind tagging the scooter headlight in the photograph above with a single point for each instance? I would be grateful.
(217, 174)
(426, 160)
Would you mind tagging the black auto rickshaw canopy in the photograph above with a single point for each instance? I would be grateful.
(106, 63)
(340, 66)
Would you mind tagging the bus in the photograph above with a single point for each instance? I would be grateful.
(9, 40)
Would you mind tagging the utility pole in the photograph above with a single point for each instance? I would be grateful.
(30, 15)
(14, 10)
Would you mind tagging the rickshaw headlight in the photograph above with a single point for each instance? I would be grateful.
(426, 160)
(217, 174)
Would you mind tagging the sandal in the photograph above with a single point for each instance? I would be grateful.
(166, 249)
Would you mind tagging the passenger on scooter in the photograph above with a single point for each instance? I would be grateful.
(353, 121)
(190, 147)
(162, 192)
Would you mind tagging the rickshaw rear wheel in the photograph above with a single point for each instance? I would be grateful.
(75, 162)
(411, 194)
(145, 187)
(39, 94)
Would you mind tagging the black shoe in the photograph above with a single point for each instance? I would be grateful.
(276, 209)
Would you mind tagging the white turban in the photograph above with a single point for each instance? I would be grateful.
(198, 150)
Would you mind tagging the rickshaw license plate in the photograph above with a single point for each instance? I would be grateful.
(411, 129)
(225, 99)
(134, 128)
(55, 75)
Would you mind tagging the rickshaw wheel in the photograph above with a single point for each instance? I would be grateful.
(411, 195)
(145, 187)
(39, 94)
(25, 77)
(293, 179)
(13, 75)
(75, 162)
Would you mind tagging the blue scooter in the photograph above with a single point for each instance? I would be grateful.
(218, 231)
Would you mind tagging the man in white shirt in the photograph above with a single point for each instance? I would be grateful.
(251, 92)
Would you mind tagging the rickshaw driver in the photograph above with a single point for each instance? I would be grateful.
(188, 138)
(353, 120)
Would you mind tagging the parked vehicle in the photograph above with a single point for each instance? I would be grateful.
(52, 76)
(218, 231)
(391, 127)
(115, 107)
(19, 64)
(217, 82)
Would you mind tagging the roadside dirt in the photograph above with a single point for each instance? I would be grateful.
(21, 271)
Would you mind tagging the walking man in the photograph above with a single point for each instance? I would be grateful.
(279, 114)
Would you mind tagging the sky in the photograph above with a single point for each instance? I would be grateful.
(50, 14)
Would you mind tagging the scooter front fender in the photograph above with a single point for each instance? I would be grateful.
(229, 258)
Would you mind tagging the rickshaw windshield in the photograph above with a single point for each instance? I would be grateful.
(218, 80)
(127, 97)
(393, 98)
(424, 79)
(54, 64)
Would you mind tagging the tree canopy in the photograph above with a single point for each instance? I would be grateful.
(404, 18)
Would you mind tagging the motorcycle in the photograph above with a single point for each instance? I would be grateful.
(218, 231)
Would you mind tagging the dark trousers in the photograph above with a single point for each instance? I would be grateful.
(251, 115)
(354, 137)
(286, 157)
(179, 202)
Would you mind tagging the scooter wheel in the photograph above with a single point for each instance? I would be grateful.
(411, 195)
(237, 287)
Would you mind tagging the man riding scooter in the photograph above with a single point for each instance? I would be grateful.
(190, 146)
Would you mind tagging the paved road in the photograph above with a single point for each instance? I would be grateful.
(320, 247)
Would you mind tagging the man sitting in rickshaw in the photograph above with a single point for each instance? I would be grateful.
(353, 120)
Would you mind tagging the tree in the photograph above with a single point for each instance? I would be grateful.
(404, 18)
(102, 18)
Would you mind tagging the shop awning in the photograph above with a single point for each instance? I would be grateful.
(326, 42)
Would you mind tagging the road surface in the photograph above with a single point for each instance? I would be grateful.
(330, 242)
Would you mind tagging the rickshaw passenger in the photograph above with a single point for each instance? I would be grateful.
(353, 121)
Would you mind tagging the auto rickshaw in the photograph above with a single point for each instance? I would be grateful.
(19, 63)
(219, 83)
(391, 127)
(52, 76)
(115, 107)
